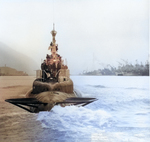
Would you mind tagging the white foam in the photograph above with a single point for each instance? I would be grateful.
(121, 112)
(72, 118)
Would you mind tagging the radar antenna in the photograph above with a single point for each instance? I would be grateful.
(53, 32)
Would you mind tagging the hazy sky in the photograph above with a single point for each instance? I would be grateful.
(90, 33)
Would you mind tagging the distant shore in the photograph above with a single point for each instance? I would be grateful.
(107, 75)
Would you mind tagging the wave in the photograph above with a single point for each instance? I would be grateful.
(11, 118)
(75, 119)
(97, 86)
(142, 113)
(126, 104)
(14, 86)
(134, 88)
(138, 102)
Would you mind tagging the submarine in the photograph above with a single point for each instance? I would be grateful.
(54, 87)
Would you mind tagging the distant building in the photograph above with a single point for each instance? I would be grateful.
(7, 71)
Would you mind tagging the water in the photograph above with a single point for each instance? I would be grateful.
(121, 113)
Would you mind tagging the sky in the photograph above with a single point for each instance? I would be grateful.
(90, 33)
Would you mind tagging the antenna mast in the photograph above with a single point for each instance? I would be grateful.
(53, 32)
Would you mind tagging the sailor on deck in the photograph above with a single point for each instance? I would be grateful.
(52, 65)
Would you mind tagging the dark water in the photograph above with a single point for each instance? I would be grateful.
(17, 125)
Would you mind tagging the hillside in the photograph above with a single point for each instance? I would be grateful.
(11, 58)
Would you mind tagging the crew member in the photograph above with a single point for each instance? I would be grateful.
(52, 65)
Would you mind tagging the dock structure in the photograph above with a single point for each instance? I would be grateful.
(7, 71)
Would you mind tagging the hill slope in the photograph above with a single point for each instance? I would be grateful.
(14, 59)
